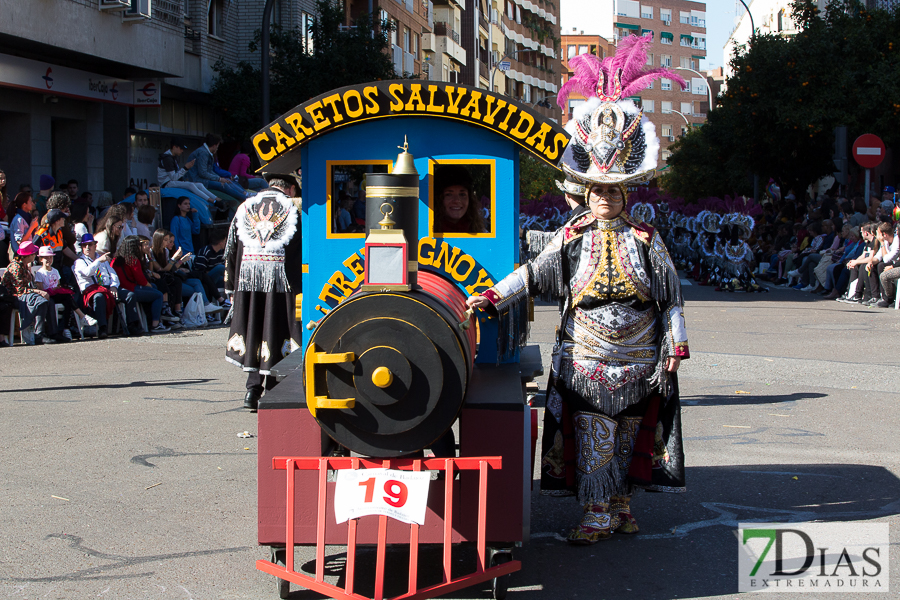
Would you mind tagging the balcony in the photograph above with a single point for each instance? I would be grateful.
(409, 65)
(443, 28)
(429, 42)
(447, 41)
(483, 70)
(483, 22)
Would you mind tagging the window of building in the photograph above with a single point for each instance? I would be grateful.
(646, 12)
(665, 15)
(650, 87)
(583, 49)
(527, 93)
(415, 45)
(573, 104)
(699, 43)
(666, 85)
(216, 18)
(628, 8)
(665, 60)
(571, 51)
(695, 64)
(306, 29)
(684, 62)
(510, 11)
(684, 17)
(406, 39)
(647, 31)
(687, 108)
(666, 155)
(648, 105)
(666, 107)
(684, 129)
(665, 40)
(518, 15)
(594, 51)
(649, 59)
(666, 129)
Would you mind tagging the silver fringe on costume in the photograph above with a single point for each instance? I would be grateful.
(266, 276)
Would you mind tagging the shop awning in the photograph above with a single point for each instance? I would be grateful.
(687, 37)
(666, 35)
(628, 26)
(700, 57)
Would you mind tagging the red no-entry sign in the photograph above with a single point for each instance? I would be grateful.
(868, 150)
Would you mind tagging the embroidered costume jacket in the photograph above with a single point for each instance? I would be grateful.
(622, 314)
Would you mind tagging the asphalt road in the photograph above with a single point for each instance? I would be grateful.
(123, 476)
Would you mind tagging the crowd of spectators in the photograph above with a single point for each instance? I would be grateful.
(839, 248)
(74, 265)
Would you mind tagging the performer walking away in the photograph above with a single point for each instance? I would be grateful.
(612, 422)
(262, 268)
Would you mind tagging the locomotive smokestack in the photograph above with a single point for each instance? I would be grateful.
(399, 190)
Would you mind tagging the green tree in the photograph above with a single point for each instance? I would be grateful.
(536, 178)
(786, 97)
(337, 57)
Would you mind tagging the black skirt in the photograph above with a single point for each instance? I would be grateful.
(264, 329)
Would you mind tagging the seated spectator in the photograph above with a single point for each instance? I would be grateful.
(206, 171)
(48, 279)
(166, 313)
(83, 223)
(8, 303)
(164, 275)
(23, 223)
(173, 260)
(240, 168)
(109, 229)
(130, 270)
(36, 311)
(811, 261)
(836, 274)
(170, 175)
(46, 185)
(129, 218)
(818, 239)
(184, 224)
(99, 286)
(50, 233)
(888, 258)
(211, 258)
(859, 267)
(145, 216)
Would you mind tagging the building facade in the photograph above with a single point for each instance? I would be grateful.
(409, 22)
(93, 90)
(678, 28)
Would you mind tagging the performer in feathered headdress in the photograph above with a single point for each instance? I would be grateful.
(612, 421)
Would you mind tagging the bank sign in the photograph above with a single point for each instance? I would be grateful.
(46, 78)
(813, 557)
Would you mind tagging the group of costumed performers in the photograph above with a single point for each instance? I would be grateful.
(612, 422)
(712, 247)
(262, 269)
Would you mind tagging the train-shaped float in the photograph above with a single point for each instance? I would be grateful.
(391, 359)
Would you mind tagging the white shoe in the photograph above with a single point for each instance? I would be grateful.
(808, 288)
(212, 307)
(67, 333)
(28, 335)
(794, 273)
(91, 321)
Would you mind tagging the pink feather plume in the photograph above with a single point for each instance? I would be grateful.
(630, 57)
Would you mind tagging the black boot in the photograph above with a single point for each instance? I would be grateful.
(251, 400)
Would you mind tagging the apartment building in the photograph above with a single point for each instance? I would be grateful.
(94, 89)
(574, 44)
(445, 57)
(678, 29)
(524, 45)
(411, 22)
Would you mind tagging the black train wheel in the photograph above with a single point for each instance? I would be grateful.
(500, 585)
(415, 337)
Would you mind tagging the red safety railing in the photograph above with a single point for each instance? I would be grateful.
(449, 466)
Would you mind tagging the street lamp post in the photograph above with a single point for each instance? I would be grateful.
(686, 122)
(497, 64)
(264, 59)
(708, 89)
(749, 14)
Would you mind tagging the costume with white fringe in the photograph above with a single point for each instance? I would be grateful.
(613, 417)
(262, 255)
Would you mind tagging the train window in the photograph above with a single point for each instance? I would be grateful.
(462, 197)
(345, 191)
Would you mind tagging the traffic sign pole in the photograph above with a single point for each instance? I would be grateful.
(868, 151)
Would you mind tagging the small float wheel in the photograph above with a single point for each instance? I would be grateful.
(284, 586)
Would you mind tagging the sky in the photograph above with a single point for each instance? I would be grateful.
(719, 22)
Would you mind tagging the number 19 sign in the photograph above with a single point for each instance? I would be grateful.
(401, 495)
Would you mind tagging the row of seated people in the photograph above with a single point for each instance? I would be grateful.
(143, 274)
(856, 265)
